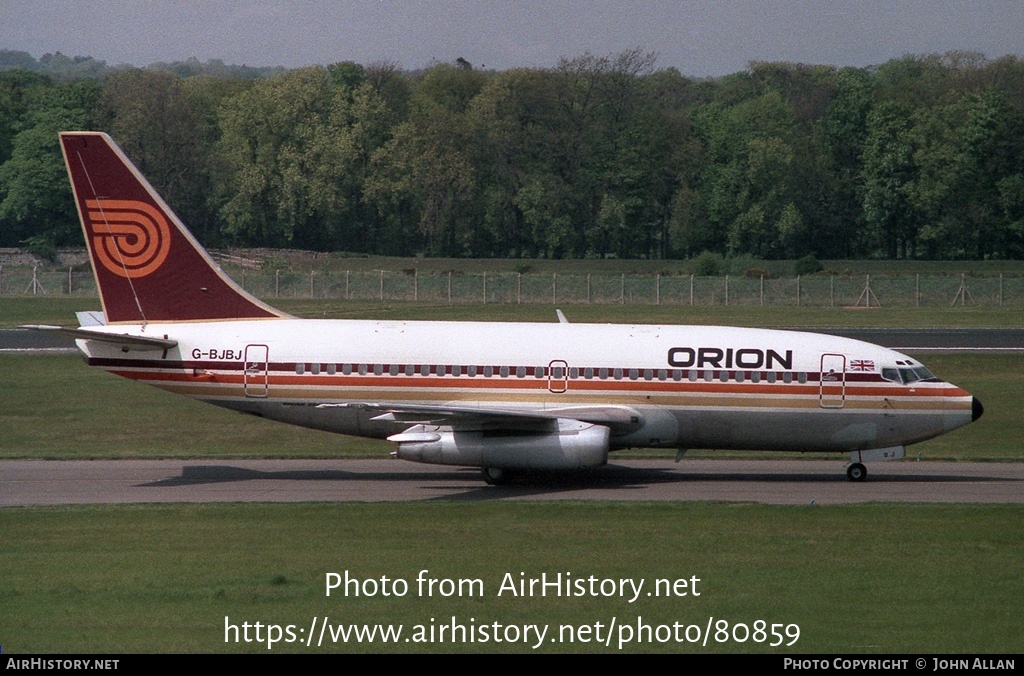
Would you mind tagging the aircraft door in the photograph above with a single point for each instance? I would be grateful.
(256, 376)
(558, 376)
(832, 382)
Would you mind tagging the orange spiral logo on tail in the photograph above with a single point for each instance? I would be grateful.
(129, 238)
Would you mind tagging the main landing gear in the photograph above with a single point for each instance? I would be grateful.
(496, 476)
(857, 472)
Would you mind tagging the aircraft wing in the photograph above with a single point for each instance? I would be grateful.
(466, 417)
(124, 340)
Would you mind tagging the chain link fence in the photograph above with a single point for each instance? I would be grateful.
(625, 289)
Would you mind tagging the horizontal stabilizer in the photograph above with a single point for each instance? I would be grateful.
(91, 318)
(126, 341)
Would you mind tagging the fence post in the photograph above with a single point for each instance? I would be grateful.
(554, 288)
(917, 290)
(71, 286)
(691, 289)
(277, 283)
(657, 289)
(449, 287)
(798, 290)
(831, 290)
(519, 288)
(485, 288)
(416, 284)
(346, 283)
(727, 290)
(762, 290)
(622, 290)
(311, 284)
(588, 287)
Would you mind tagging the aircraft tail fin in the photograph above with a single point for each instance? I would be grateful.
(148, 266)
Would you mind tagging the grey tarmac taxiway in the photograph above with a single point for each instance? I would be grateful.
(794, 482)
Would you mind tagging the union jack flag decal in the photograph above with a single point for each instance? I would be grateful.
(862, 365)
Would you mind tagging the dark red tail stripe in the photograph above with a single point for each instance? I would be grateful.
(186, 285)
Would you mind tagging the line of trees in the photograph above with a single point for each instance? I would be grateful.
(920, 157)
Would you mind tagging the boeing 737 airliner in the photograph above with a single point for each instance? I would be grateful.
(504, 397)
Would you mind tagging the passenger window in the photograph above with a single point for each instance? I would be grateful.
(802, 378)
(787, 377)
(488, 372)
(588, 373)
(456, 371)
(332, 369)
(504, 372)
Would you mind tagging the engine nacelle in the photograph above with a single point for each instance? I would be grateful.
(570, 444)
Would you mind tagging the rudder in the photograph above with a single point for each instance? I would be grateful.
(148, 266)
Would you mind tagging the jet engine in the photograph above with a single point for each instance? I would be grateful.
(568, 444)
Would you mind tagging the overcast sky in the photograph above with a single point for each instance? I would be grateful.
(699, 37)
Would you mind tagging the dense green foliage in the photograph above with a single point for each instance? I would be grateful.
(920, 157)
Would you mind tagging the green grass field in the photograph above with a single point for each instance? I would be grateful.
(60, 310)
(883, 578)
(855, 579)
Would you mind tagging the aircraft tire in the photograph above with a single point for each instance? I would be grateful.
(856, 472)
(495, 476)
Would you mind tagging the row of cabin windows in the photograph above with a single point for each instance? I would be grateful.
(555, 372)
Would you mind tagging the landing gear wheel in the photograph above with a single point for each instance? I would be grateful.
(495, 476)
(856, 472)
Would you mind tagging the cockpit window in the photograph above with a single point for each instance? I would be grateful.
(907, 375)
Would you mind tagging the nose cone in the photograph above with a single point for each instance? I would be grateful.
(976, 409)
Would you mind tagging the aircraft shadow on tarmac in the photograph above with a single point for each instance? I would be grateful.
(609, 477)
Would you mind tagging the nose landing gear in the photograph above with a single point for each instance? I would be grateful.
(857, 472)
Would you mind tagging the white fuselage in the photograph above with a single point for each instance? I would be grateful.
(676, 386)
